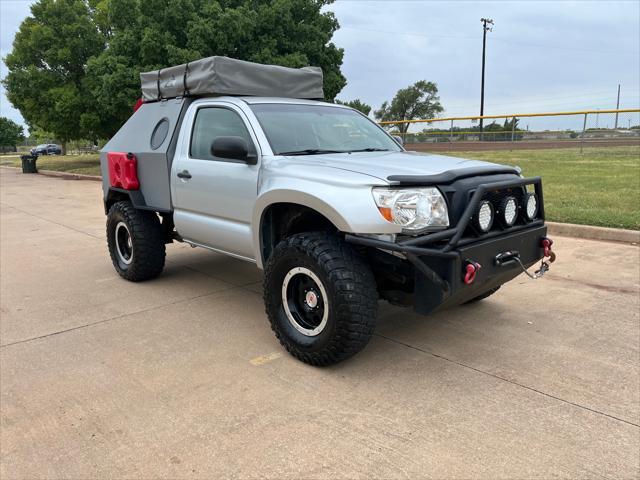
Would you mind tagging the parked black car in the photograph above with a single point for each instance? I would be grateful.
(47, 149)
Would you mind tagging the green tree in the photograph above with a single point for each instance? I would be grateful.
(10, 133)
(493, 127)
(418, 101)
(357, 104)
(47, 65)
(512, 124)
(75, 64)
(37, 136)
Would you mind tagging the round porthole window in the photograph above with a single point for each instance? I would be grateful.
(159, 133)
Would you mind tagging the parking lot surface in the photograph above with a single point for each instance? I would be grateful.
(181, 377)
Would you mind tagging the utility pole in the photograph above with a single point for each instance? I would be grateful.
(485, 29)
(617, 106)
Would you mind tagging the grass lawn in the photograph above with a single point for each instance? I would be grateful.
(599, 187)
(88, 164)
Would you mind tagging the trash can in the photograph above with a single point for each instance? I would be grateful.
(29, 163)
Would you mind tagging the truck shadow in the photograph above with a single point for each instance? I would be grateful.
(475, 316)
(455, 328)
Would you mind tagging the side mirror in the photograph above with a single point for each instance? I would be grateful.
(233, 148)
(399, 139)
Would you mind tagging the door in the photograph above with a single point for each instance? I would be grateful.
(214, 197)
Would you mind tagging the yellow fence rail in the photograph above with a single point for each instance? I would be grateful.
(593, 127)
(476, 132)
(511, 115)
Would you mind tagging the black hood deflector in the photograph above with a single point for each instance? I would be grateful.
(452, 175)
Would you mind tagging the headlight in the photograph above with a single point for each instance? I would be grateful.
(412, 208)
(531, 204)
(484, 216)
(509, 207)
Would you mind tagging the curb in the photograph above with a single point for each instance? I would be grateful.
(588, 232)
(70, 176)
(67, 175)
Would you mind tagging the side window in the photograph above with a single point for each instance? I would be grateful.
(214, 122)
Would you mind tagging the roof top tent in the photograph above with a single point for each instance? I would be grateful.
(227, 76)
(151, 132)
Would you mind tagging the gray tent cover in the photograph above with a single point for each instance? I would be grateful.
(227, 76)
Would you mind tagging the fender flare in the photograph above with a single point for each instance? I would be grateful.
(115, 194)
(294, 197)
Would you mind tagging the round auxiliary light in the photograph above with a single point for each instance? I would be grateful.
(509, 209)
(484, 216)
(531, 204)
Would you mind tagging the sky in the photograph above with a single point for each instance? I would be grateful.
(542, 56)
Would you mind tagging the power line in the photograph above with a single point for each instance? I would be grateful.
(560, 47)
(509, 41)
(603, 100)
(544, 98)
(413, 34)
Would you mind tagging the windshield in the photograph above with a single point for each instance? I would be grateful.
(311, 129)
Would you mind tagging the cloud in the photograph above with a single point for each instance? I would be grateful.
(12, 13)
(541, 55)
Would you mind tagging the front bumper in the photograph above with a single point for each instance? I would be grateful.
(440, 259)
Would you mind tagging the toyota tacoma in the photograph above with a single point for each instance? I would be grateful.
(246, 160)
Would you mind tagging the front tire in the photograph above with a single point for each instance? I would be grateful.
(136, 242)
(320, 297)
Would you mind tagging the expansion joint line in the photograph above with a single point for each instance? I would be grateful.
(498, 377)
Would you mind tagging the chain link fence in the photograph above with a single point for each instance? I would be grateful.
(596, 128)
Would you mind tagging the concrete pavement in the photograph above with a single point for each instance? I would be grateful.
(181, 377)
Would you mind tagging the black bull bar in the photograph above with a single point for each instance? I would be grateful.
(435, 262)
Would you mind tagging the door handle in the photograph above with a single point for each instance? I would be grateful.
(184, 174)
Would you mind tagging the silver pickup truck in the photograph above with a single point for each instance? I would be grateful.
(326, 202)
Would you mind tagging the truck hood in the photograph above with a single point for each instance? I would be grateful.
(401, 166)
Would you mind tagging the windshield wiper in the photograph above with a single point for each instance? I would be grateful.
(311, 151)
(371, 149)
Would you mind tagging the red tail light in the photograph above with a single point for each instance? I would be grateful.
(138, 104)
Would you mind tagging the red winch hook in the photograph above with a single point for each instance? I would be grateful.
(471, 270)
(546, 244)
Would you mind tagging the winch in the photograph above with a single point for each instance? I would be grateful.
(506, 258)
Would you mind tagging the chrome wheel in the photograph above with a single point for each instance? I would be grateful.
(124, 245)
(305, 301)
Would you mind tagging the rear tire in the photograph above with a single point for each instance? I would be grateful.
(136, 242)
(331, 298)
